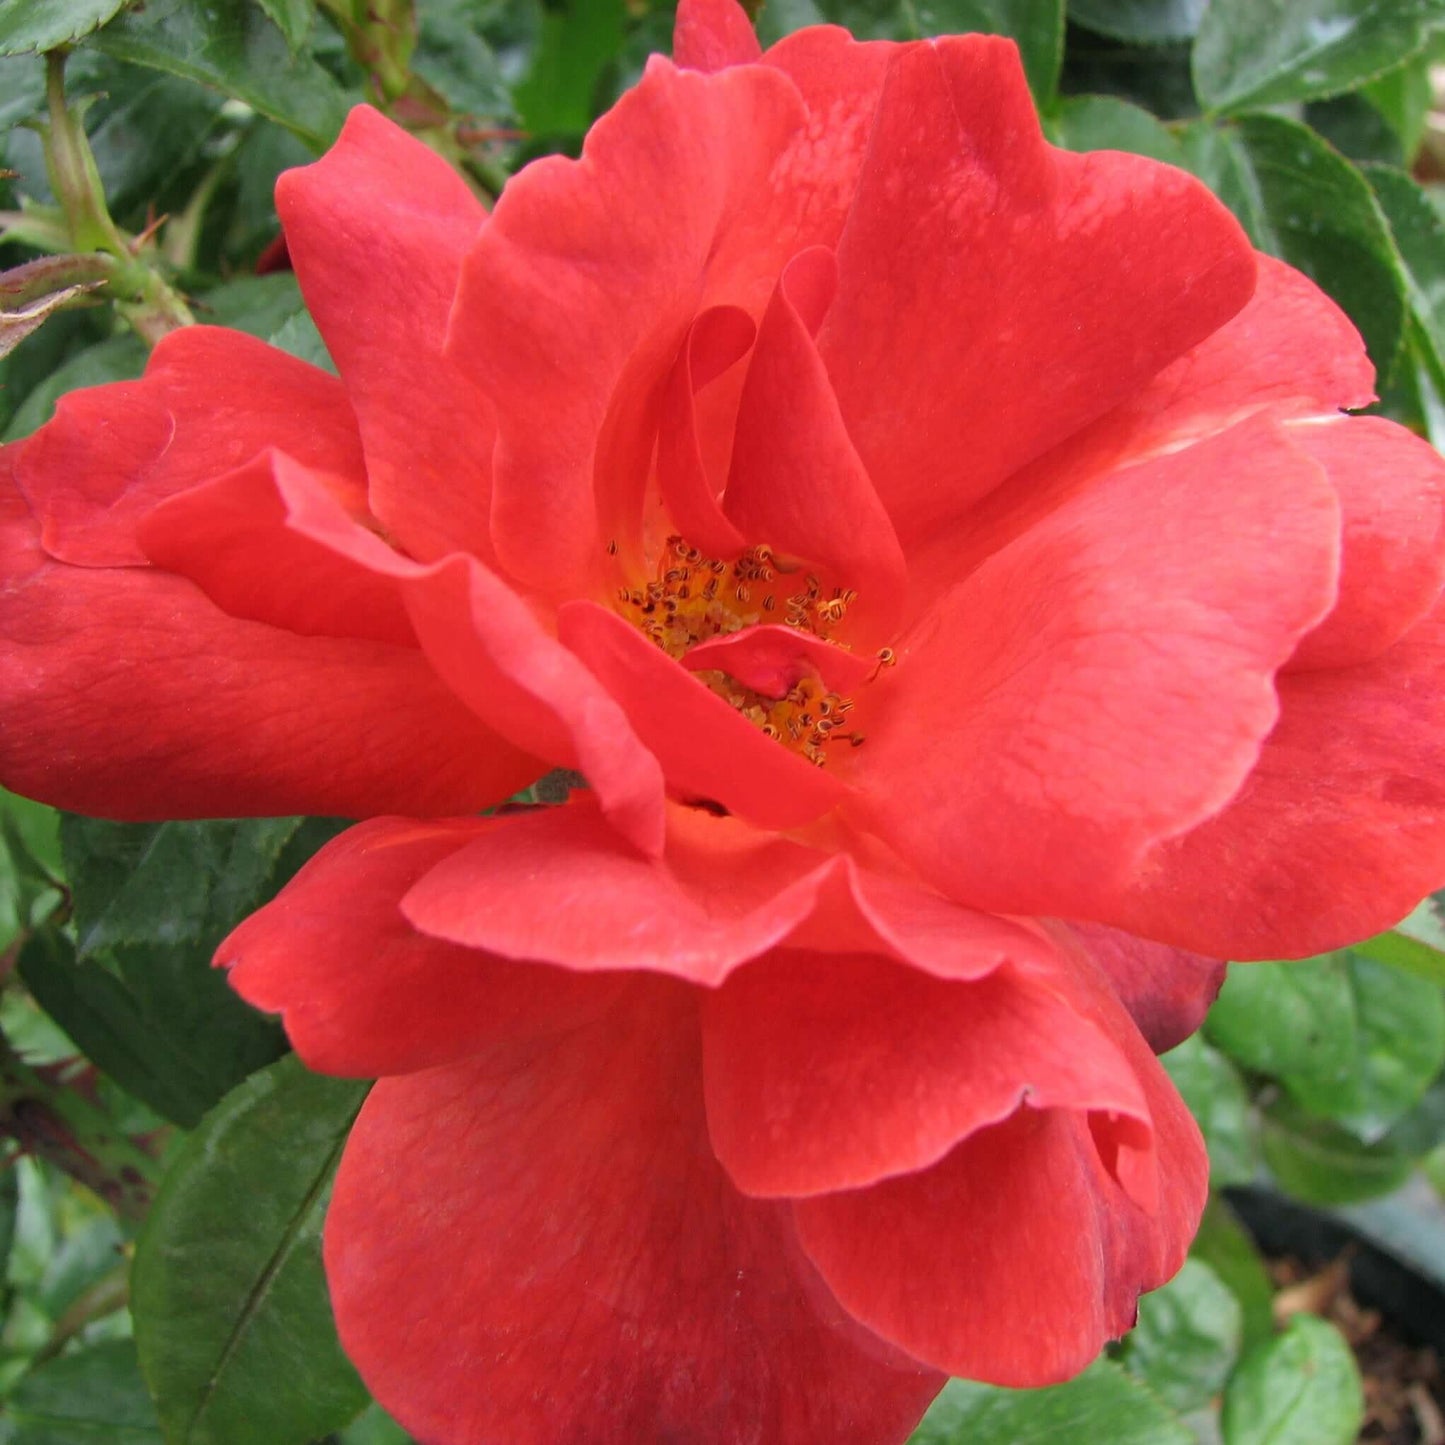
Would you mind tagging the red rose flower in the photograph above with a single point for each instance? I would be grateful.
(911, 531)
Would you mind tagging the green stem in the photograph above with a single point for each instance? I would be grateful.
(74, 176)
(142, 295)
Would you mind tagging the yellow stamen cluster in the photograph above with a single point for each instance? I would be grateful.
(805, 718)
(694, 598)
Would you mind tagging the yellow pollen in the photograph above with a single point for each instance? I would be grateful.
(695, 598)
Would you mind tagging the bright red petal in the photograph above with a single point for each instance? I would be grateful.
(1020, 1255)
(840, 80)
(377, 231)
(796, 481)
(1167, 991)
(1290, 346)
(234, 538)
(1338, 832)
(582, 287)
(479, 636)
(1291, 353)
(717, 339)
(210, 401)
(770, 659)
(980, 270)
(1391, 487)
(1103, 681)
(489, 646)
(713, 34)
(361, 992)
(128, 694)
(832, 1071)
(588, 1271)
(707, 749)
(560, 886)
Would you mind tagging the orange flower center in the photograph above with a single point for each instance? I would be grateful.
(695, 598)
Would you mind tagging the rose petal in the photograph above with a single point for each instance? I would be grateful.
(717, 338)
(840, 80)
(770, 659)
(152, 703)
(796, 481)
(1016, 1258)
(233, 537)
(1167, 991)
(581, 288)
(588, 1270)
(487, 644)
(360, 991)
(559, 885)
(1336, 835)
(210, 400)
(1105, 680)
(707, 749)
(981, 269)
(832, 1071)
(713, 34)
(1391, 487)
(1290, 353)
(377, 231)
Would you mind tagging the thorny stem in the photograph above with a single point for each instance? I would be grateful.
(381, 37)
(53, 1121)
(142, 295)
(73, 174)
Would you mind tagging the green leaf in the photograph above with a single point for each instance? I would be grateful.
(298, 336)
(578, 39)
(1106, 123)
(1414, 394)
(31, 832)
(1254, 53)
(293, 18)
(1423, 1128)
(373, 1427)
(1419, 236)
(1305, 203)
(1319, 1162)
(85, 1256)
(151, 134)
(454, 58)
(166, 883)
(1352, 1039)
(257, 305)
(93, 1397)
(1426, 921)
(1104, 1403)
(1187, 1338)
(1141, 22)
(44, 24)
(1217, 1097)
(233, 46)
(1226, 1247)
(1404, 98)
(1401, 951)
(1300, 1389)
(108, 1026)
(231, 1314)
(138, 993)
(119, 358)
(1355, 128)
